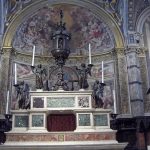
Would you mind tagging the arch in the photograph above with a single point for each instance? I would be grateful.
(25, 13)
(141, 19)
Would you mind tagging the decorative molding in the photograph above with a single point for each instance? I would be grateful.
(138, 50)
(131, 15)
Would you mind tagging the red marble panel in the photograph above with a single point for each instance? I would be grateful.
(61, 137)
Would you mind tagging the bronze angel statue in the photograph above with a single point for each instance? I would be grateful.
(98, 94)
(22, 90)
(83, 72)
(40, 74)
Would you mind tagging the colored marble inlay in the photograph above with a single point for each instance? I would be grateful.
(83, 101)
(21, 121)
(37, 120)
(61, 137)
(84, 119)
(97, 136)
(38, 102)
(55, 102)
(100, 120)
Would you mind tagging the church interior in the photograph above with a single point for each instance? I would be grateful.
(74, 74)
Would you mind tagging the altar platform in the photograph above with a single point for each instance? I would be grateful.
(61, 120)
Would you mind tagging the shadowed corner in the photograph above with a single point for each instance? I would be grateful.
(148, 91)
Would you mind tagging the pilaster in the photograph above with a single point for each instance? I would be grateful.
(121, 81)
(134, 81)
(5, 77)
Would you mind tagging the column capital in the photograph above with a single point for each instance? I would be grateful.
(6, 51)
(134, 49)
(119, 51)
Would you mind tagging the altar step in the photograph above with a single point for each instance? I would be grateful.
(90, 145)
(62, 141)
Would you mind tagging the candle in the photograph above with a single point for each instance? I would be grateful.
(7, 101)
(102, 72)
(15, 73)
(89, 53)
(114, 98)
(33, 55)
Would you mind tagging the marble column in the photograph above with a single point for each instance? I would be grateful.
(5, 77)
(134, 82)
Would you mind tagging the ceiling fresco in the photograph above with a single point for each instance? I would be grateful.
(84, 26)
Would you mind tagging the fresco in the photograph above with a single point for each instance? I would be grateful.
(84, 26)
(108, 71)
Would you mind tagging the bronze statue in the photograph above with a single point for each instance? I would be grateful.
(40, 73)
(83, 74)
(60, 83)
(98, 93)
(23, 95)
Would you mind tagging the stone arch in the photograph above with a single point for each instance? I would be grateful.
(141, 19)
(143, 27)
(25, 13)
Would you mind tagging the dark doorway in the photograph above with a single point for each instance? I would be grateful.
(61, 122)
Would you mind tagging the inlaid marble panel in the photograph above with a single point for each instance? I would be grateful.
(55, 102)
(84, 120)
(100, 120)
(83, 101)
(38, 102)
(37, 120)
(21, 121)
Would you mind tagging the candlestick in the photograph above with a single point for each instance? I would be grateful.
(90, 59)
(7, 102)
(15, 73)
(102, 72)
(114, 97)
(33, 55)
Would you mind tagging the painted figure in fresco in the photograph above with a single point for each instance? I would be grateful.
(98, 94)
(23, 95)
(40, 74)
(83, 74)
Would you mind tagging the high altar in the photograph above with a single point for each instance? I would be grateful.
(61, 118)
